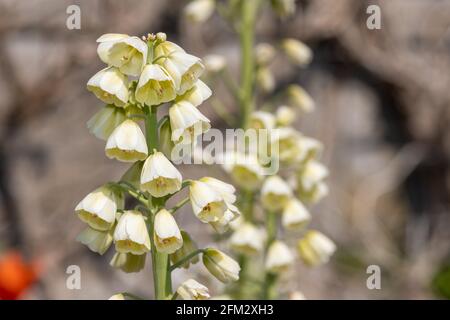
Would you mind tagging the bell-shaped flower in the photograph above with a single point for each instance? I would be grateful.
(298, 97)
(155, 86)
(279, 257)
(159, 176)
(265, 79)
(167, 235)
(199, 10)
(275, 193)
(285, 145)
(310, 148)
(247, 239)
(310, 175)
(192, 290)
(103, 123)
(131, 234)
(98, 209)
(97, 241)
(187, 122)
(295, 215)
(207, 204)
(230, 215)
(129, 54)
(226, 190)
(127, 143)
(245, 170)
(298, 52)
(197, 94)
(188, 247)
(262, 120)
(214, 63)
(220, 265)
(110, 86)
(285, 116)
(128, 262)
(264, 53)
(315, 248)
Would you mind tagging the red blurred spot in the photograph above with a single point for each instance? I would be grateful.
(15, 275)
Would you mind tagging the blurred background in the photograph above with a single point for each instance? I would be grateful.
(383, 114)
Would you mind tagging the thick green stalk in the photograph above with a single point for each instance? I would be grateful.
(270, 280)
(160, 261)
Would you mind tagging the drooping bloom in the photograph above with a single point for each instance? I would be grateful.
(285, 116)
(264, 53)
(188, 247)
(295, 215)
(214, 63)
(285, 144)
(97, 241)
(159, 176)
(220, 265)
(275, 193)
(279, 257)
(197, 94)
(199, 10)
(131, 234)
(310, 181)
(128, 262)
(223, 224)
(192, 290)
(110, 86)
(298, 97)
(262, 120)
(127, 143)
(128, 54)
(298, 52)
(265, 79)
(103, 123)
(98, 209)
(245, 170)
(315, 248)
(207, 204)
(247, 239)
(155, 86)
(226, 190)
(310, 148)
(167, 235)
(187, 122)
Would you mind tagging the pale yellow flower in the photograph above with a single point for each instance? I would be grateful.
(275, 193)
(247, 239)
(97, 241)
(265, 79)
(298, 52)
(245, 170)
(155, 86)
(197, 94)
(262, 120)
(295, 215)
(285, 116)
(207, 204)
(315, 248)
(221, 266)
(110, 86)
(187, 122)
(128, 262)
(279, 257)
(131, 234)
(127, 143)
(199, 10)
(299, 98)
(103, 123)
(167, 236)
(264, 53)
(192, 290)
(214, 63)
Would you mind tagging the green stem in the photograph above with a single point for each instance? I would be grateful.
(270, 279)
(185, 259)
(179, 205)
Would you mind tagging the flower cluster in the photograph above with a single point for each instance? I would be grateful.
(141, 75)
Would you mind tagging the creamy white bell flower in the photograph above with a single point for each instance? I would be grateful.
(262, 120)
(183, 68)
(298, 97)
(199, 10)
(159, 176)
(230, 215)
(220, 265)
(275, 193)
(279, 257)
(167, 235)
(127, 143)
(207, 204)
(285, 116)
(311, 174)
(165, 48)
(103, 123)
(97, 241)
(247, 239)
(265, 79)
(296, 295)
(226, 190)
(129, 54)
(187, 122)
(319, 191)
(155, 86)
(245, 170)
(110, 86)
(298, 52)
(285, 144)
(310, 148)
(264, 53)
(295, 215)
(128, 262)
(131, 234)
(98, 209)
(315, 248)
(188, 247)
(197, 94)
(192, 290)
(214, 63)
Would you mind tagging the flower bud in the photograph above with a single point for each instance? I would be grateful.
(298, 52)
(127, 143)
(159, 176)
(275, 193)
(197, 94)
(98, 209)
(199, 10)
(299, 98)
(129, 54)
(192, 290)
(97, 241)
(279, 257)
(285, 116)
(131, 234)
(262, 120)
(187, 122)
(167, 236)
(188, 247)
(265, 79)
(295, 215)
(110, 86)
(220, 265)
(264, 53)
(166, 144)
(103, 123)
(155, 86)
(247, 239)
(128, 262)
(207, 204)
(214, 63)
(315, 248)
